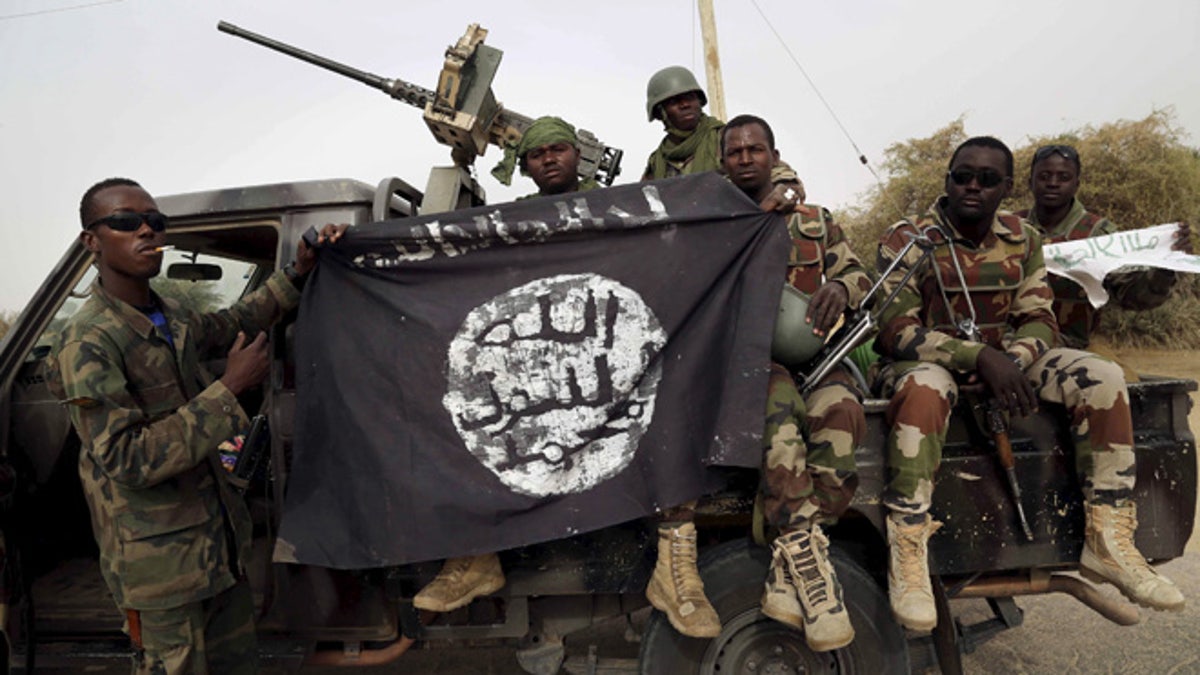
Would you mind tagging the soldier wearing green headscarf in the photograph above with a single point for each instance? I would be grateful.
(548, 152)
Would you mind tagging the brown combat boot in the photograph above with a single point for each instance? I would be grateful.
(676, 589)
(461, 581)
(803, 591)
(909, 588)
(1109, 555)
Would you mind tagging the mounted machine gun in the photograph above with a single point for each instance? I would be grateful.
(462, 113)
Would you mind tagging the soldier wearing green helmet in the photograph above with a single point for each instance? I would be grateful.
(693, 139)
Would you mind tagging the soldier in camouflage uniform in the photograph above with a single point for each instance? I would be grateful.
(809, 475)
(548, 152)
(1059, 216)
(693, 139)
(982, 312)
(173, 537)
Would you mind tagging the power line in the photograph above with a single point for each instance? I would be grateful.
(6, 17)
(861, 156)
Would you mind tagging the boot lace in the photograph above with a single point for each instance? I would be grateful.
(911, 540)
(1123, 527)
(683, 568)
(813, 568)
(453, 570)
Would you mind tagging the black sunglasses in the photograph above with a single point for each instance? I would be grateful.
(985, 177)
(1068, 153)
(129, 221)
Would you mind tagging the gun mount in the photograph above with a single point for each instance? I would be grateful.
(463, 112)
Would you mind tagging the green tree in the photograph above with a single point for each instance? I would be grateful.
(1137, 173)
(199, 296)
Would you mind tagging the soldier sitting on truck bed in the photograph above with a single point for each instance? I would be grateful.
(809, 475)
(982, 312)
(174, 538)
(1059, 216)
(693, 139)
(548, 152)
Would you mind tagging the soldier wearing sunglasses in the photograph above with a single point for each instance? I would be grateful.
(173, 537)
(1059, 215)
(981, 313)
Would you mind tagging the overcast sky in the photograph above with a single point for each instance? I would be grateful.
(149, 89)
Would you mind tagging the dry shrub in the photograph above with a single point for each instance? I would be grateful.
(1137, 173)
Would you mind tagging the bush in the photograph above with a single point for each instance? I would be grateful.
(1137, 173)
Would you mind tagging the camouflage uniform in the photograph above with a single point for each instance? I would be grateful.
(700, 151)
(808, 469)
(1140, 289)
(173, 537)
(1007, 280)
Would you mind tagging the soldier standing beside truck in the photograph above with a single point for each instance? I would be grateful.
(173, 536)
(982, 312)
(1059, 216)
(809, 474)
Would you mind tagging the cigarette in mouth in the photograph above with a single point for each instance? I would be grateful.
(168, 247)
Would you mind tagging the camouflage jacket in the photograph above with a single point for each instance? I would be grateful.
(1005, 277)
(150, 418)
(1129, 289)
(820, 251)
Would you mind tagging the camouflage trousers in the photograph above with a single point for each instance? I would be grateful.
(210, 637)
(809, 474)
(1090, 387)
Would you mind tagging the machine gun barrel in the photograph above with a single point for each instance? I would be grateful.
(411, 94)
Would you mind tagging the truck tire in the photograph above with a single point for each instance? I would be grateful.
(733, 575)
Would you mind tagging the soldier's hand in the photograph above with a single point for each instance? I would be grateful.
(306, 258)
(248, 363)
(826, 306)
(783, 198)
(1007, 382)
(1183, 239)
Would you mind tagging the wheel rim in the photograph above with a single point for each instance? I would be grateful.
(753, 644)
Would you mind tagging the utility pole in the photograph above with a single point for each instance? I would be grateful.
(712, 60)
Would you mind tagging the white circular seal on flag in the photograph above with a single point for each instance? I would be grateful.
(552, 384)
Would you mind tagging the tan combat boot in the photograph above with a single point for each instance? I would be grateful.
(1109, 555)
(461, 581)
(802, 560)
(676, 589)
(909, 589)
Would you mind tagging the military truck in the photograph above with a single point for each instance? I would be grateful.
(57, 612)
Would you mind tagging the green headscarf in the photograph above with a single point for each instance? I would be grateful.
(543, 131)
(702, 144)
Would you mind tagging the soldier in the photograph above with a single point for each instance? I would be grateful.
(174, 539)
(808, 469)
(1059, 216)
(692, 143)
(982, 312)
(549, 154)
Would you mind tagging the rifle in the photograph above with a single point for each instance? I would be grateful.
(463, 113)
(998, 425)
(250, 460)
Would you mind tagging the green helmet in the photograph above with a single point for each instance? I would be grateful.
(794, 343)
(668, 82)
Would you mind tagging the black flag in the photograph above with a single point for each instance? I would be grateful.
(484, 379)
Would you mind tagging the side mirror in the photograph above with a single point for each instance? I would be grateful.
(194, 272)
